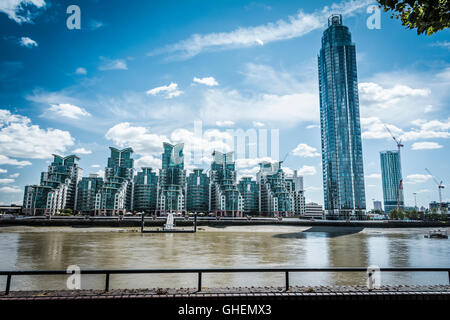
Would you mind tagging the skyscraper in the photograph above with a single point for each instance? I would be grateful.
(197, 192)
(57, 189)
(145, 190)
(115, 196)
(88, 195)
(275, 196)
(224, 194)
(391, 176)
(172, 180)
(342, 160)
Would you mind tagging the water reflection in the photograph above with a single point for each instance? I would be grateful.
(314, 247)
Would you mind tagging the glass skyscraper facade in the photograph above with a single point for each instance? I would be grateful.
(225, 196)
(145, 191)
(391, 176)
(172, 180)
(342, 160)
(116, 194)
(57, 189)
(197, 191)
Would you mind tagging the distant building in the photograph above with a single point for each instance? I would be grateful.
(249, 190)
(115, 196)
(275, 198)
(295, 187)
(342, 158)
(313, 211)
(57, 189)
(197, 192)
(88, 196)
(391, 178)
(225, 197)
(377, 205)
(172, 180)
(145, 191)
(436, 206)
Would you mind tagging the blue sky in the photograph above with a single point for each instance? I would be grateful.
(138, 73)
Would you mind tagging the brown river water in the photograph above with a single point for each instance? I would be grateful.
(51, 248)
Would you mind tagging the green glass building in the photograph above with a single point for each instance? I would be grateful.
(249, 191)
(275, 198)
(57, 189)
(197, 192)
(172, 180)
(115, 197)
(391, 177)
(226, 199)
(145, 190)
(88, 194)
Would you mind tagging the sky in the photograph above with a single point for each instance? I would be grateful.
(138, 73)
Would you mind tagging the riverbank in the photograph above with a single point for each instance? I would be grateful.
(149, 223)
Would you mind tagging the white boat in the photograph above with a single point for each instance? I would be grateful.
(439, 234)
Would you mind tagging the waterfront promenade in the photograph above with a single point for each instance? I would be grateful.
(405, 292)
(116, 221)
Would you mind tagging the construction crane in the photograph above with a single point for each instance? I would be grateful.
(440, 187)
(397, 141)
(400, 185)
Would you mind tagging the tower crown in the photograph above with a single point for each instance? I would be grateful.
(335, 19)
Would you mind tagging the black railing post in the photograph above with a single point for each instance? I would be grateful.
(449, 277)
(199, 286)
(287, 280)
(107, 282)
(8, 284)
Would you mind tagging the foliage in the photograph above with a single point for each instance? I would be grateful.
(427, 16)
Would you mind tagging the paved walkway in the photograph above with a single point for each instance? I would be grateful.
(295, 292)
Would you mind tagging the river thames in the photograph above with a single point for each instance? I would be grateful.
(38, 248)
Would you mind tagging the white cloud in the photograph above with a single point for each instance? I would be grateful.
(13, 162)
(373, 176)
(21, 10)
(148, 161)
(208, 81)
(20, 138)
(312, 126)
(374, 92)
(258, 124)
(81, 151)
(101, 173)
(14, 175)
(307, 170)
(139, 138)
(425, 146)
(295, 26)
(3, 170)
(11, 190)
(417, 178)
(170, 91)
(271, 108)
(66, 110)
(27, 42)
(443, 44)
(116, 64)
(6, 181)
(305, 151)
(150, 146)
(81, 71)
(96, 166)
(373, 128)
(225, 123)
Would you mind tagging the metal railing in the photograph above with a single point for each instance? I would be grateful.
(199, 272)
